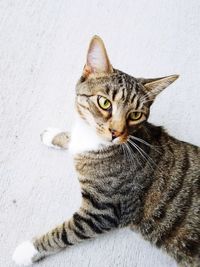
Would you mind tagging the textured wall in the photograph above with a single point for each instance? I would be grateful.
(42, 51)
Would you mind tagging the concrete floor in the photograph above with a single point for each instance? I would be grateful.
(42, 52)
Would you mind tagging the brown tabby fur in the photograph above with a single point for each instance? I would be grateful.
(148, 181)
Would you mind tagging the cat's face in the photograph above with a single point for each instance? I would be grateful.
(113, 103)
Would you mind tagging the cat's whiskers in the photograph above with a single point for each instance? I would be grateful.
(150, 160)
(136, 147)
(128, 153)
(124, 150)
(144, 142)
(132, 155)
(144, 155)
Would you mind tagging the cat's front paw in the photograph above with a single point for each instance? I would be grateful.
(25, 254)
(48, 135)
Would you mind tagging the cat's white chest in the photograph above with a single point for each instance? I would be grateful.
(84, 138)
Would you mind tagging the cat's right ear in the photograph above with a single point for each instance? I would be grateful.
(97, 59)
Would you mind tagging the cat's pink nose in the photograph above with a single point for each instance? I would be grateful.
(115, 133)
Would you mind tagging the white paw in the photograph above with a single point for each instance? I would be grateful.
(48, 135)
(24, 254)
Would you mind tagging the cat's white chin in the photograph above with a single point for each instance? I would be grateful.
(116, 141)
(24, 254)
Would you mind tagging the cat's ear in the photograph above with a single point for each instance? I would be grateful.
(157, 85)
(97, 59)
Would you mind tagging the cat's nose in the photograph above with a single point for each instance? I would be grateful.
(115, 133)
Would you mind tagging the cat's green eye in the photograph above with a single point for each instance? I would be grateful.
(104, 103)
(135, 116)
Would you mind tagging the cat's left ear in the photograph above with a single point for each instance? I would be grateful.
(97, 59)
(157, 85)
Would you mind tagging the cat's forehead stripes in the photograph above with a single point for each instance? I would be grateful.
(125, 89)
(119, 87)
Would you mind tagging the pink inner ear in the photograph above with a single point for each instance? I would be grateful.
(97, 58)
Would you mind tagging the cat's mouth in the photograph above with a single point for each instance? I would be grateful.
(113, 138)
(120, 140)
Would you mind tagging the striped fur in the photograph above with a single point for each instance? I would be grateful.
(160, 199)
(148, 181)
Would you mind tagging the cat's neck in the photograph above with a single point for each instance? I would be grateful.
(84, 138)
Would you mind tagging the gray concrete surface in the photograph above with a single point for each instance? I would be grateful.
(42, 52)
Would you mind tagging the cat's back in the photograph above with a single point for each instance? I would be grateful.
(172, 203)
(187, 157)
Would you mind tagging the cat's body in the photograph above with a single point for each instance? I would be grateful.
(132, 174)
(160, 199)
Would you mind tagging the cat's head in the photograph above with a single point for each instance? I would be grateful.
(113, 103)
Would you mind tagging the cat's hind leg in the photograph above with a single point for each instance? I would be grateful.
(55, 138)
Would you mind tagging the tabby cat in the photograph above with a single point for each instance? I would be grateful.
(131, 172)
